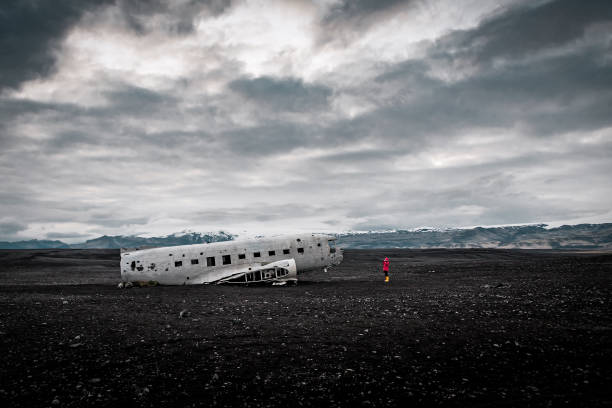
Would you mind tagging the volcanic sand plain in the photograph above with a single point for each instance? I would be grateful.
(465, 327)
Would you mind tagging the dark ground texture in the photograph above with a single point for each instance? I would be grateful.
(453, 327)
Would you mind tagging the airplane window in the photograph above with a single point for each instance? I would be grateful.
(241, 256)
(178, 263)
(285, 251)
(227, 259)
(194, 261)
(210, 261)
(271, 253)
(256, 254)
(300, 250)
(319, 244)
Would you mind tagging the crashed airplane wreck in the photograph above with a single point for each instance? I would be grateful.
(276, 260)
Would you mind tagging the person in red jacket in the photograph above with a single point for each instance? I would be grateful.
(386, 269)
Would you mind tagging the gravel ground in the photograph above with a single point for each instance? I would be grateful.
(452, 328)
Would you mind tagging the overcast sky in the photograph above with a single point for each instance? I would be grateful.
(130, 117)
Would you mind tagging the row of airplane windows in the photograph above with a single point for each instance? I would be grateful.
(227, 259)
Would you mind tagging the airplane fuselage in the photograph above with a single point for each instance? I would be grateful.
(264, 259)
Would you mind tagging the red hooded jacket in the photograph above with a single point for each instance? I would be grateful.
(386, 265)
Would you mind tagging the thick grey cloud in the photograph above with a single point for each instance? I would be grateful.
(30, 32)
(8, 228)
(289, 94)
(504, 122)
(557, 92)
(579, 85)
(346, 20)
(176, 20)
(132, 100)
(527, 29)
(268, 139)
(347, 10)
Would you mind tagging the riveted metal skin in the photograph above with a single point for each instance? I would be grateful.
(261, 260)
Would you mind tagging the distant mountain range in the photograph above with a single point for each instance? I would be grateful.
(582, 236)
(120, 241)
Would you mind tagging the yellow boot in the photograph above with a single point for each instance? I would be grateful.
(387, 278)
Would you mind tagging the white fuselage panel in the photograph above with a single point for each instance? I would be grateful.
(207, 263)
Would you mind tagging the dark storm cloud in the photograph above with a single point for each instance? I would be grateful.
(271, 138)
(14, 110)
(30, 32)
(348, 19)
(555, 94)
(349, 9)
(68, 140)
(527, 29)
(422, 111)
(155, 140)
(286, 94)
(560, 95)
(364, 156)
(11, 227)
(177, 20)
(189, 139)
(125, 99)
(9, 108)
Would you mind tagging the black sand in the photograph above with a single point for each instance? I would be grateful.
(453, 327)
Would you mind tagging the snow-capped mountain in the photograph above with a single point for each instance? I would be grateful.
(130, 241)
(539, 236)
